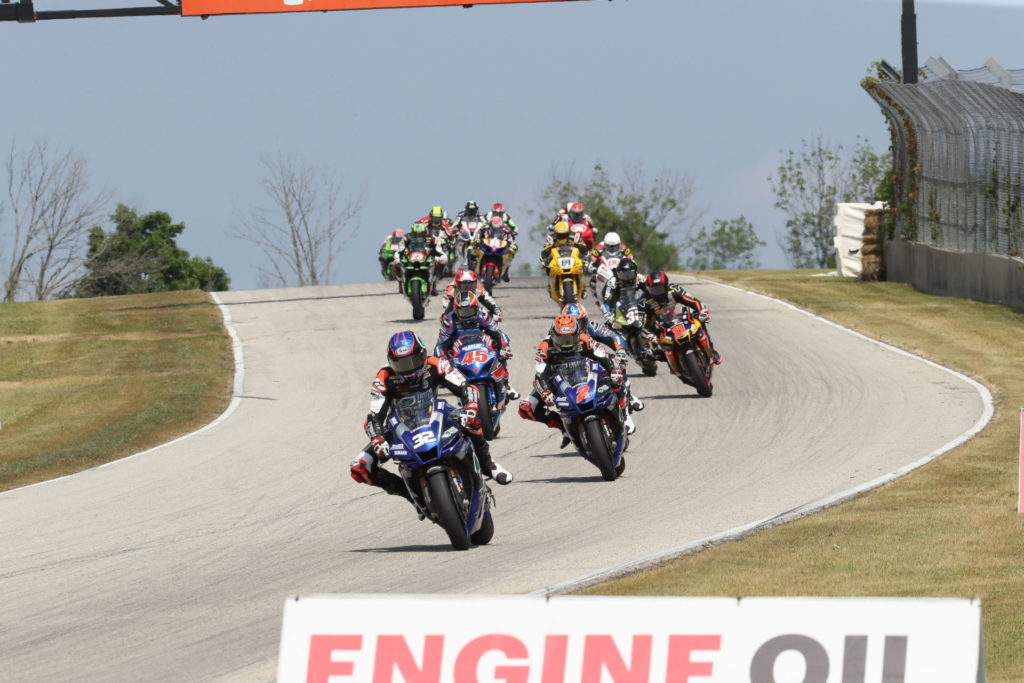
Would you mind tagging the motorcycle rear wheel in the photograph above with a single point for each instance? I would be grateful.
(446, 509)
(485, 533)
(597, 445)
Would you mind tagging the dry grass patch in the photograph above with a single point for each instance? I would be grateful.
(949, 529)
(87, 381)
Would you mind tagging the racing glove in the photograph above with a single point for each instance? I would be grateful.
(360, 473)
(617, 377)
(380, 448)
(526, 410)
(505, 353)
(469, 417)
(704, 315)
(549, 399)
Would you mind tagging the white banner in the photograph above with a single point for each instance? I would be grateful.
(584, 639)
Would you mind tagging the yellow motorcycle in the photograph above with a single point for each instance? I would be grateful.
(565, 268)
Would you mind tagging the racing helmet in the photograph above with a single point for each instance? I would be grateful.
(577, 311)
(472, 209)
(565, 334)
(657, 286)
(398, 232)
(466, 281)
(466, 307)
(407, 355)
(612, 240)
(561, 231)
(576, 212)
(437, 216)
(498, 207)
(418, 230)
(625, 272)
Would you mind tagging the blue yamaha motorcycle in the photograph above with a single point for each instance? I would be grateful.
(440, 468)
(474, 355)
(592, 414)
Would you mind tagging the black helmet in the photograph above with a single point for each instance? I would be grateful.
(625, 272)
(657, 286)
(407, 355)
(472, 209)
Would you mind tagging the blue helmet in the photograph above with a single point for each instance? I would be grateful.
(407, 355)
(577, 311)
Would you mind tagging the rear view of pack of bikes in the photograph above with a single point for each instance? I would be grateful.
(580, 386)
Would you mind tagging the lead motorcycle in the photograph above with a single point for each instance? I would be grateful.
(440, 469)
(417, 274)
(473, 354)
(684, 340)
(592, 413)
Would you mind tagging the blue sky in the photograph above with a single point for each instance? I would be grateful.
(439, 105)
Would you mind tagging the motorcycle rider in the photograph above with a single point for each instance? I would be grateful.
(434, 248)
(467, 281)
(466, 315)
(612, 246)
(491, 229)
(612, 340)
(511, 233)
(386, 253)
(410, 370)
(565, 340)
(624, 277)
(574, 214)
(659, 296)
(559, 236)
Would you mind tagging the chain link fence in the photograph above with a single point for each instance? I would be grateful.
(958, 154)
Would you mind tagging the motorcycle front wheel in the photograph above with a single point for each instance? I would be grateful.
(444, 506)
(568, 291)
(486, 419)
(485, 533)
(597, 445)
(697, 368)
(417, 300)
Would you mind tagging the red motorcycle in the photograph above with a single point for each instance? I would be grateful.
(684, 340)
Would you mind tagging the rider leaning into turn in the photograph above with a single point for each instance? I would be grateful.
(411, 370)
(564, 341)
(623, 276)
(659, 296)
(466, 315)
(605, 335)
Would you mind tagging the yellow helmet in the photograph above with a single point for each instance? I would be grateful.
(561, 230)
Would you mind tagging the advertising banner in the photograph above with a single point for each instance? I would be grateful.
(591, 639)
(206, 7)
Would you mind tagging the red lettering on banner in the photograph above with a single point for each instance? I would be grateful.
(320, 666)
(468, 661)
(600, 652)
(555, 648)
(393, 653)
(680, 648)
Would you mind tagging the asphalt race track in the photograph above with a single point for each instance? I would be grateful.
(174, 565)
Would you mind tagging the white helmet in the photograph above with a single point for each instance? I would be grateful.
(612, 239)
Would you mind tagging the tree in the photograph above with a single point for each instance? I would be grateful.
(51, 210)
(305, 231)
(654, 218)
(728, 245)
(807, 187)
(142, 256)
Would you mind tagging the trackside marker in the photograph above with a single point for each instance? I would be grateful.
(1020, 478)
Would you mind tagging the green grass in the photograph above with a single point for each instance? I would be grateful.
(87, 381)
(949, 529)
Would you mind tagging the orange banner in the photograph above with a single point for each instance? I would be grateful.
(205, 7)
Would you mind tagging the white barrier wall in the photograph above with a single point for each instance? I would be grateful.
(589, 639)
(849, 225)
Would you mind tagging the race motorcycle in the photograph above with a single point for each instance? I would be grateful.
(684, 340)
(440, 469)
(386, 256)
(463, 252)
(491, 249)
(565, 269)
(584, 231)
(474, 355)
(592, 414)
(604, 270)
(628, 320)
(417, 274)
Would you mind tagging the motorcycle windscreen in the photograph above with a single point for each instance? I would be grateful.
(415, 410)
(207, 7)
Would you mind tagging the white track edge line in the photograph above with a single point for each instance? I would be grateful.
(736, 533)
(236, 397)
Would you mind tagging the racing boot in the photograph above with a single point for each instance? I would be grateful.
(635, 404)
(716, 358)
(510, 391)
(628, 424)
(487, 464)
(364, 470)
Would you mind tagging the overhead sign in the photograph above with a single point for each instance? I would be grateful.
(590, 639)
(205, 7)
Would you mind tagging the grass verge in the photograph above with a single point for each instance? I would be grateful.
(949, 529)
(87, 381)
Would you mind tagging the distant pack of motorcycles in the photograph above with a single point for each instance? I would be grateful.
(427, 444)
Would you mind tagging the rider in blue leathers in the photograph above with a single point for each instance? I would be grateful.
(604, 334)
(466, 315)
